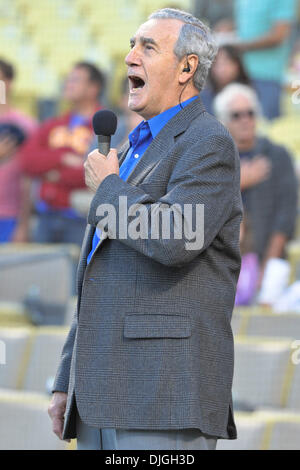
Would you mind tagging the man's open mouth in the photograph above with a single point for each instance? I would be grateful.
(135, 82)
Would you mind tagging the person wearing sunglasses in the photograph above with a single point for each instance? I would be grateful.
(268, 178)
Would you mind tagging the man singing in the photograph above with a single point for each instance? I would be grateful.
(148, 362)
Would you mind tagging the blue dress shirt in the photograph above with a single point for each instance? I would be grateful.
(140, 139)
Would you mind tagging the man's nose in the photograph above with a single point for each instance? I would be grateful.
(133, 57)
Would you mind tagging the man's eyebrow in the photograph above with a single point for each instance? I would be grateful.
(143, 40)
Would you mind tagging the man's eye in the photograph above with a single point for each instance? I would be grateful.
(149, 47)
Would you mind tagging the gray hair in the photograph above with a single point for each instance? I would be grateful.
(194, 38)
(223, 101)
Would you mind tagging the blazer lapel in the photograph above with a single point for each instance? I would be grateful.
(85, 249)
(123, 152)
(164, 141)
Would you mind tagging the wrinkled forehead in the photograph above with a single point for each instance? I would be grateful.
(164, 32)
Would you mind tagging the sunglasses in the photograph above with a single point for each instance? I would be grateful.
(235, 115)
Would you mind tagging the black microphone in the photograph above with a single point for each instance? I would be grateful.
(105, 125)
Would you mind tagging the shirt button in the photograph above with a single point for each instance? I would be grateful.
(136, 155)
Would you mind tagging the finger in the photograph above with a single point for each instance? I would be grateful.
(87, 181)
(57, 426)
(112, 154)
(89, 166)
(57, 414)
(95, 154)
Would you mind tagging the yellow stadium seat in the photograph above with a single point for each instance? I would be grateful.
(261, 371)
(293, 391)
(43, 358)
(53, 31)
(25, 424)
(293, 252)
(265, 430)
(15, 345)
(282, 429)
(250, 432)
(38, 265)
(285, 131)
(13, 314)
(261, 321)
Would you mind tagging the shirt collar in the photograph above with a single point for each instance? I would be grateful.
(158, 122)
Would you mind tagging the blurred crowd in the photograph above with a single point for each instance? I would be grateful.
(43, 197)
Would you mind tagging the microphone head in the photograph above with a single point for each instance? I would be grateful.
(105, 122)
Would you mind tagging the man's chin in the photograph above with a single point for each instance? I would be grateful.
(135, 105)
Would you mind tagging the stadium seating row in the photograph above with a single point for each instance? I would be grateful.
(261, 430)
(265, 430)
(25, 424)
(262, 321)
(31, 357)
(267, 371)
(294, 258)
(41, 277)
(45, 41)
(246, 321)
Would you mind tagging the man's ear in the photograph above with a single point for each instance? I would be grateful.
(188, 67)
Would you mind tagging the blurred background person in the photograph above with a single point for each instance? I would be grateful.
(264, 29)
(15, 206)
(249, 273)
(55, 154)
(227, 68)
(268, 179)
(218, 13)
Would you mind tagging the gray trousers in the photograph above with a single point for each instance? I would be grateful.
(90, 438)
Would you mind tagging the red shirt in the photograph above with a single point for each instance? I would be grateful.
(44, 152)
(10, 172)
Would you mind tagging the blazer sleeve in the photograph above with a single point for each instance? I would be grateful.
(206, 175)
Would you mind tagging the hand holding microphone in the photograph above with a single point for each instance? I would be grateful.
(104, 161)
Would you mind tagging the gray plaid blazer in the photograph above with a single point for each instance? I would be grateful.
(151, 345)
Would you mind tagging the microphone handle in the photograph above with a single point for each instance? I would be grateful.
(104, 144)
